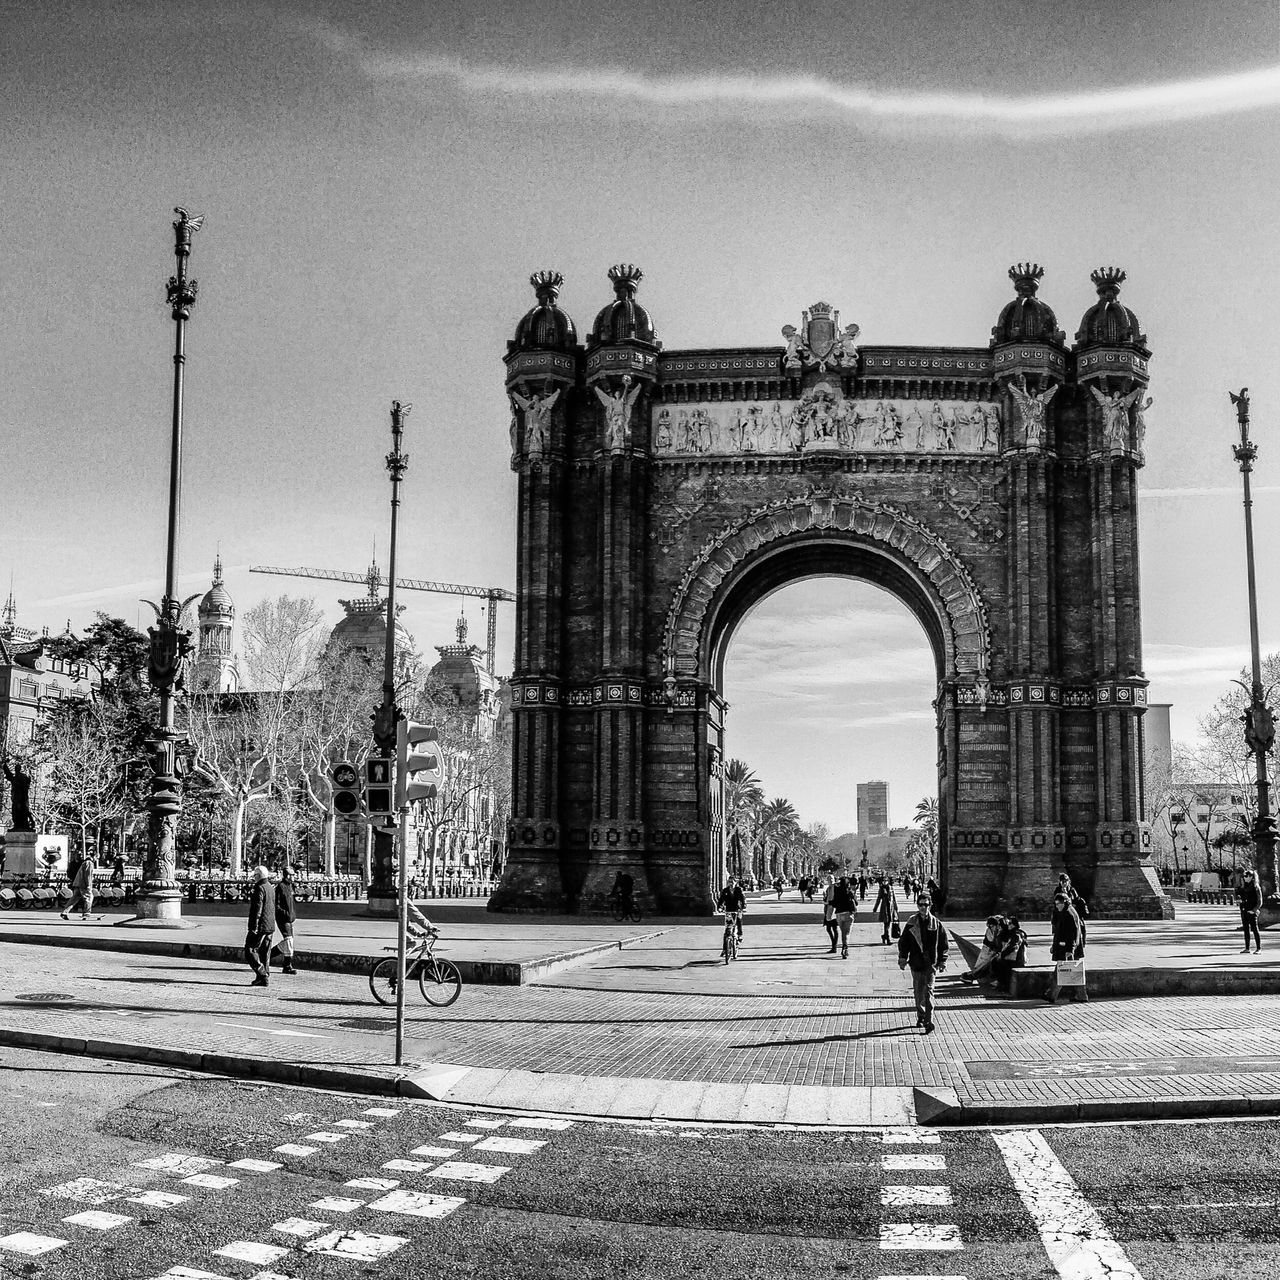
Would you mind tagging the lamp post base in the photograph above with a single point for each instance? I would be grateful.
(386, 906)
(159, 909)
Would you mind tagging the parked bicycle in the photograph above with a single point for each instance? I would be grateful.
(438, 979)
(729, 950)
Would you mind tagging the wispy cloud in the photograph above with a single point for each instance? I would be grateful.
(1122, 107)
(152, 586)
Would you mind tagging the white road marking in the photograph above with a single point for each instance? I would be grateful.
(1073, 1234)
(355, 1244)
(487, 1124)
(186, 1273)
(920, 1235)
(98, 1220)
(911, 1137)
(256, 1166)
(212, 1181)
(372, 1184)
(512, 1146)
(407, 1166)
(303, 1227)
(535, 1122)
(924, 1160)
(877, 1278)
(418, 1204)
(464, 1172)
(268, 1275)
(325, 1136)
(1213, 1204)
(336, 1204)
(251, 1251)
(352, 1124)
(158, 1199)
(442, 1152)
(899, 1197)
(381, 1111)
(454, 1136)
(294, 1149)
(25, 1242)
(89, 1191)
(268, 1031)
(298, 1116)
(177, 1163)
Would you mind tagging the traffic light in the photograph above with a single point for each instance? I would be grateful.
(377, 787)
(345, 778)
(418, 765)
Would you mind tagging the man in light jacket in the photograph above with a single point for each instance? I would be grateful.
(923, 948)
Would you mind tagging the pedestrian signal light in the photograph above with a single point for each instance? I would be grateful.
(377, 786)
(419, 771)
(345, 779)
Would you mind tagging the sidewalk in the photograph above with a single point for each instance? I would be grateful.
(787, 1035)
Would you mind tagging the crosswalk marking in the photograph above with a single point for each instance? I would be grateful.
(336, 1204)
(1074, 1235)
(442, 1152)
(920, 1235)
(512, 1146)
(188, 1273)
(487, 1124)
(355, 1244)
(325, 1136)
(466, 1172)
(352, 1124)
(251, 1251)
(922, 1160)
(911, 1137)
(407, 1166)
(303, 1227)
(98, 1220)
(418, 1204)
(380, 1111)
(372, 1184)
(158, 1199)
(296, 1149)
(89, 1191)
(256, 1166)
(29, 1244)
(177, 1163)
(930, 1277)
(455, 1136)
(211, 1181)
(898, 1197)
(536, 1122)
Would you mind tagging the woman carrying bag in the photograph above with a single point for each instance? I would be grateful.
(886, 908)
(829, 914)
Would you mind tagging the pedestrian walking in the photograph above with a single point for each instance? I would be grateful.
(1068, 944)
(886, 908)
(262, 924)
(862, 888)
(117, 872)
(777, 884)
(843, 900)
(1249, 896)
(1079, 905)
(923, 948)
(82, 887)
(829, 914)
(286, 914)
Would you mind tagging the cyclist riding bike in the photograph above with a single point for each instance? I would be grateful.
(623, 888)
(732, 899)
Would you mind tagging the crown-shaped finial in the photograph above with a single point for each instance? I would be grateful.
(625, 278)
(546, 284)
(1026, 278)
(1108, 280)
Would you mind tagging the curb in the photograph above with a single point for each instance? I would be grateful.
(501, 973)
(942, 1108)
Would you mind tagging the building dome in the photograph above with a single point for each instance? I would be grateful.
(1026, 318)
(1109, 323)
(217, 600)
(624, 319)
(546, 327)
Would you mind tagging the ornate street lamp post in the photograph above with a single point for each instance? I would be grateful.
(1259, 725)
(382, 884)
(160, 902)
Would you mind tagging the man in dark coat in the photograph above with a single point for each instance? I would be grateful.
(1249, 896)
(1068, 944)
(262, 924)
(286, 914)
(923, 947)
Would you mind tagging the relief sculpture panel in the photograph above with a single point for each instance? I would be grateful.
(824, 420)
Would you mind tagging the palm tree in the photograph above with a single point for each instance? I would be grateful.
(779, 825)
(743, 798)
(926, 818)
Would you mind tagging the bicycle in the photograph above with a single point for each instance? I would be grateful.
(438, 979)
(624, 908)
(729, 950)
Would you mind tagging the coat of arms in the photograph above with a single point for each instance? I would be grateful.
(820, 343)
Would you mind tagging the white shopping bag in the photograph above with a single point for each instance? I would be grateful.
(1070, 973)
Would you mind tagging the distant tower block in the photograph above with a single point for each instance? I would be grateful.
(873, 808)
(216, 670)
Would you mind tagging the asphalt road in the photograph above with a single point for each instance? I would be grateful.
(593, 1200)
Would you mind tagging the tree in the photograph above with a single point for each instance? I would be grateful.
(926, 819)
(85, 774)
(743, 799)
(779, 827)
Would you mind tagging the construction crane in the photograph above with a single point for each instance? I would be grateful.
(372, 578)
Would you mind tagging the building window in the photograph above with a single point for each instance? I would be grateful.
(28, 689)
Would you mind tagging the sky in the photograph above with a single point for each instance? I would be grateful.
(378, 182)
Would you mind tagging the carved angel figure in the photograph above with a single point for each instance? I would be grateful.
(1140, 424)
(617, 411)
(537, 420)
(1032, 408)
(1115, 415)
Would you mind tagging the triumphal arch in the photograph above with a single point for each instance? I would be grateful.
(662, 493)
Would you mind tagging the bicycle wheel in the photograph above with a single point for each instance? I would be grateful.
(382, 980)
(440, 981)
(730, 946)
(635, 915)
(619, 911)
